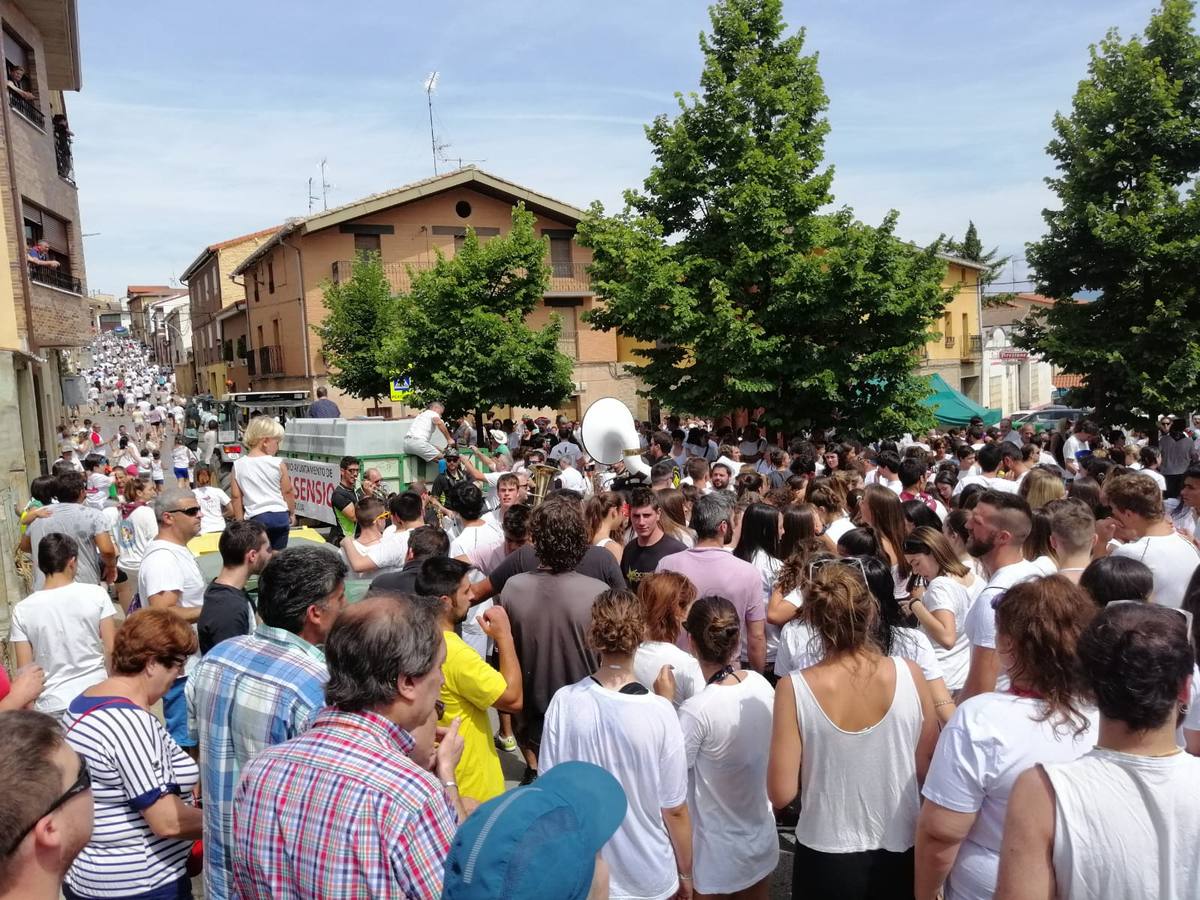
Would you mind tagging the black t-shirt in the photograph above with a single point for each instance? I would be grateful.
(442, 484)
(637, 560)
(226, 613)
(597, 563)
(402, 582)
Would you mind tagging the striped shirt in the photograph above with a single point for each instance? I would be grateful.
(340, 811)
(133, 762)
(247, 694)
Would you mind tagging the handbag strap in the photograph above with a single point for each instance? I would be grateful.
(111, 701)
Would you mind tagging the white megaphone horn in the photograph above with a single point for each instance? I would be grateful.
(609, 435)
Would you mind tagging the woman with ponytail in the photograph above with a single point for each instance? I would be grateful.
(735, 848)
(856, 732)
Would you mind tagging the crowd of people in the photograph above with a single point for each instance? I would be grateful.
(959, 665)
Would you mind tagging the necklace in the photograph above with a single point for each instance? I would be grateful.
(720, 676)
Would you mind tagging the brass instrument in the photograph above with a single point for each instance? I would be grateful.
(543, 477)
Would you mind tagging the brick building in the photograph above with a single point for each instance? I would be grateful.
(216, 357)
(283, 278)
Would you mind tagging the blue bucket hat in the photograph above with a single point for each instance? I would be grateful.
(537, 841)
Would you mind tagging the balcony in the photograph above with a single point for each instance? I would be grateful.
(63, 156)
(949, 342)
(60, 278)
(976, 344)
(566, 279)
(270, 360)
(27, 108)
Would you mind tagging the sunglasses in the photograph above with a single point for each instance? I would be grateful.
(1187, 616)
(852, 561)
(83, 782)
(190, 511)
(440, 708)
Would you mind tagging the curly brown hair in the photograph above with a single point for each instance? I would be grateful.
(616, 625)
(151, 635)
(559, 534)
(840, 608)
(665, 597)
(1042, 620)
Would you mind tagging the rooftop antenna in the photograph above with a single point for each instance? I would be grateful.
(312, 198)
(324, 185)
(430, 86)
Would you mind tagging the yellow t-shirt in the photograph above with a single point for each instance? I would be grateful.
(471, 687)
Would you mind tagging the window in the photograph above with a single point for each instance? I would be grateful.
(568, 338)
(45, 226)
(948, 326)
(463, 209)
(260, 337)
(255, 274)
(271, 279)
(459, 241)
(366, 243)
(19, 70)
(964, 331)
(560, 256)
(275, 330)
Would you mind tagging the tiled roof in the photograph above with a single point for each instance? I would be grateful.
(213, 248)
(1067, 381)
(148, 289)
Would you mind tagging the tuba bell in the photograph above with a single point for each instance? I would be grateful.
(543, 477)
(609, 435)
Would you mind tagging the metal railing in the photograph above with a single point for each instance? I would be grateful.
(949, 342)
(270, 360)
(60, 278)
(63, 158)
(976, 343)
(565, 278)
(27, 108)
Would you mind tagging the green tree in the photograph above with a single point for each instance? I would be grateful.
(461, 336)
(1127, 226)
(358, 319)
(971, 248)
(746, 295)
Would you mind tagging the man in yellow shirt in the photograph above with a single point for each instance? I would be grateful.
(471, 685)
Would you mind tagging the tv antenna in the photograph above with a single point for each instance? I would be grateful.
(324, 185)
(312, 198)
(431, 82)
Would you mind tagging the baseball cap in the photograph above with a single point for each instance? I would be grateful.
(451, 453)
(537, 841)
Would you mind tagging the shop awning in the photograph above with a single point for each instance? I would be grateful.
(953, 407)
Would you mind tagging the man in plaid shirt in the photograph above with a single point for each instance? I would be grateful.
(362, 804)
(254, 691)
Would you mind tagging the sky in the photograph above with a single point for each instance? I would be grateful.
(198, 122)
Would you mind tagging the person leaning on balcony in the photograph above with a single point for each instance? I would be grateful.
(39, 255)
(16, 74)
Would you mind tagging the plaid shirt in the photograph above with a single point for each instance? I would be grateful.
(247, 694)
(341, 811)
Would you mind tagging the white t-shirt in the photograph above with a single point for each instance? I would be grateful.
(651, 656)
(565, 450)
(752, 448)
(212, 500)
(768, 570)
(1072, 447)
(944, 592)
(1171, 557)
(62, 627)
(133, 535)
(572, 479)
(733, 830)
(990, 740)
(422, 426)
(637, 738)
(800, 648)
(474, 539)
(839, 526)
(990, 482)
(981, 619)
(386, 554)
(170, 567)
(1126, 826)
(97, 489)
(1158, 478)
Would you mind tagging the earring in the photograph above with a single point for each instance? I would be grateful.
(1183, 709)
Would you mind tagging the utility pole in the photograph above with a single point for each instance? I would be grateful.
(430, 86)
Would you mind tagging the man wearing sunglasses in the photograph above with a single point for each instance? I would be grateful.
(48, 806)
(169, 578)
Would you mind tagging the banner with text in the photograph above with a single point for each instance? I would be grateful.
(313, 483)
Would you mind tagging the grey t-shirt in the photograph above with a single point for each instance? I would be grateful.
(82, 523)
(550, 615)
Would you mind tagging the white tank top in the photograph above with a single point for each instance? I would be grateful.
(1126, 826)
(258, 477)
(858, 789)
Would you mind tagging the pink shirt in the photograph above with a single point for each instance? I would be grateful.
(718, 572)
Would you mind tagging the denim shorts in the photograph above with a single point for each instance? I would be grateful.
(175, 713)
(277, 524)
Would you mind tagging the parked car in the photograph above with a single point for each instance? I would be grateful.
(1048, 418)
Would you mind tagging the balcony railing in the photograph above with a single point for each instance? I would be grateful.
(63, 157)
(565, 278)
(270, 360)
(27, 108)
(252, 363)
(60, 278)
(949, 342)
(976, 344)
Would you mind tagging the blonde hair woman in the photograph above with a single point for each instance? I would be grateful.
(1040, 486)
(260, 486)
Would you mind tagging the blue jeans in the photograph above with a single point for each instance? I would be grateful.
(175, 713)
(277, 525)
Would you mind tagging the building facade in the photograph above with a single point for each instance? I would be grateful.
(138, 299)
(164, 336)
(212, 292)
(1017, 379)
(283, 280)
(957, 352)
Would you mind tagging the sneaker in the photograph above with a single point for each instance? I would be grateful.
(529, 777)
(508, 744)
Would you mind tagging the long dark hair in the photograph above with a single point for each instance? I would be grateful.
(799, 524)
(760, 531)
(883, 587)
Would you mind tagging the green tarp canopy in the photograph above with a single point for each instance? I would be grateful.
(954, 407)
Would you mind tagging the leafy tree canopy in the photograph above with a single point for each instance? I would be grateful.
(744, 293)
(359, 317)
(1127, 226)
(460, 334)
